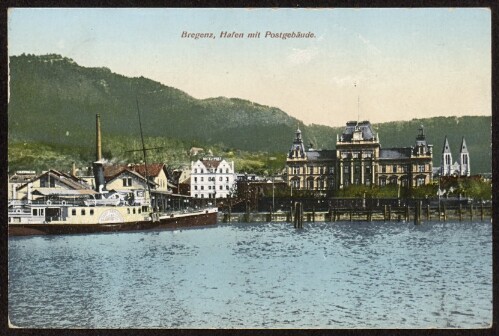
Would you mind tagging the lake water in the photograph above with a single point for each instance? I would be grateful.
(327, 275)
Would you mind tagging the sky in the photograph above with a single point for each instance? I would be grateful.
(369, 64)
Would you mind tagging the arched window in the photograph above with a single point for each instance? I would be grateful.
(322, 184)
(310, 184)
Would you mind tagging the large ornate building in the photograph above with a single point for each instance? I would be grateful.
(358, 159)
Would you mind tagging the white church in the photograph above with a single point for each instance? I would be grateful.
(461, 167)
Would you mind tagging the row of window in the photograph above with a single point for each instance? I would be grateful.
(403, 168)
(210, 179)
(83, 212)
(312, 184)
(312, 170)
(367, 169)
(346, 169)
(209, 196)
(355, 155)
(211, 170)
(210, 187)
(383, 181)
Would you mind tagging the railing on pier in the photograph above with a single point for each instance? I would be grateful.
(360, 209)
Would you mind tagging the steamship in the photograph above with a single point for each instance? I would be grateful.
(99, 210)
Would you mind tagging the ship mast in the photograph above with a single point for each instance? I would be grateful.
(144, 152)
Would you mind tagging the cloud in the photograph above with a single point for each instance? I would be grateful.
(302, 56)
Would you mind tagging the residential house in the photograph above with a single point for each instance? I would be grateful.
(212, 177)
(48, 183)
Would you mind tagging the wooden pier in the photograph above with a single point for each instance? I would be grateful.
(417, 214)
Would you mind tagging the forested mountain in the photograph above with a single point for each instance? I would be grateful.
(54, 100)
(53, 103)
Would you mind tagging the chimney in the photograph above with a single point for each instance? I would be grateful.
(73, 169)
(98, 139)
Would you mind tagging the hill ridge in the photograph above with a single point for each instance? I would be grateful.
(54, 100)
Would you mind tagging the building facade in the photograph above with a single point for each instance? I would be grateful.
(18, 179)
(49, 182)
(358, 159)
(212, 178)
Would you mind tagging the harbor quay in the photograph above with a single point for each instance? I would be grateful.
(298, 210)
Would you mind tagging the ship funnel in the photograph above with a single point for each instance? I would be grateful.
(100, 182)
(98, 142)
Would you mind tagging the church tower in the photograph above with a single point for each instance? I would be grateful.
(464, 160)
(446, 164)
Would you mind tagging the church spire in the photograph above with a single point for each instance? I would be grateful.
(446, 163)
(446, 148)
(464, 149)
(464, 159)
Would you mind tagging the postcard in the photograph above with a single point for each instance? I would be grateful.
(262, 168)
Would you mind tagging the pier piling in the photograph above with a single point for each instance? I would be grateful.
(417, 213)
(298, 220)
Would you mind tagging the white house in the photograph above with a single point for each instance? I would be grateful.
(212, 178)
